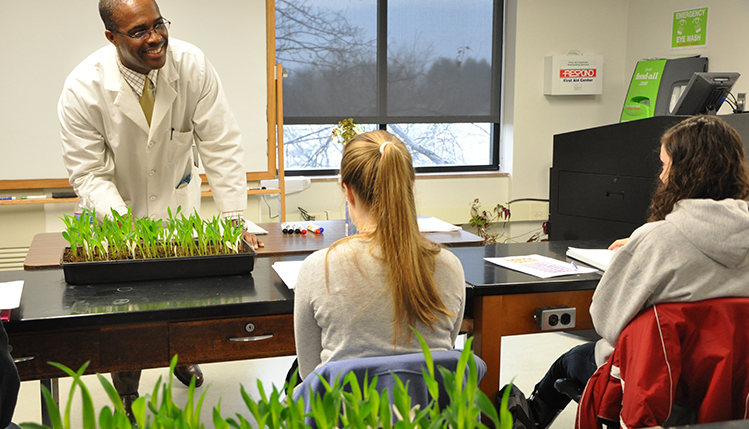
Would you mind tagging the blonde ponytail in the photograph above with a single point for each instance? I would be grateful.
(378, 168)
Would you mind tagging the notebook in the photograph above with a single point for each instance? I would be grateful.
(599, 258)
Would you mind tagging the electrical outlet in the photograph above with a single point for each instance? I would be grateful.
(555, 318)
(539, 212)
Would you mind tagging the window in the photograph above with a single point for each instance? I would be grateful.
(425, 70)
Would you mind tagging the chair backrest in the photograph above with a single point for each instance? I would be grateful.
(407, 367)
(695, 355)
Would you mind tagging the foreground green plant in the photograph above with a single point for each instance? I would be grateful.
(347, 403)
(128, 237)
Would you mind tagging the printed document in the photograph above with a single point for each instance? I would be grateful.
(539, 266)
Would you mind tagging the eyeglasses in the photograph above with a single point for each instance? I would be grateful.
(160, 27)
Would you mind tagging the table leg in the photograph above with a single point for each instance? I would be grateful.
(500, 315)
(53, 385)
(487, 339)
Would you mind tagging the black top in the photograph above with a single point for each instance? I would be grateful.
(50, 303)
(487, 278)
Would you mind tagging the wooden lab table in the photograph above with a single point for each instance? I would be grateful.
(123, 326)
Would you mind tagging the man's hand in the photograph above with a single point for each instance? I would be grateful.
(252, 240)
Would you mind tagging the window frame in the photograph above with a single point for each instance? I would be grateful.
(382, 67)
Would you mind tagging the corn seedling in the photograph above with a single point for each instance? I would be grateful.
(126, 237)
(346, 403)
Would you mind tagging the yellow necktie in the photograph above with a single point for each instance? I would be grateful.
(146, 101)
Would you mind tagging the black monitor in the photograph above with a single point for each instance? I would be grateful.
(705, 93)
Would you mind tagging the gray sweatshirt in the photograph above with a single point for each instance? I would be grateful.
(700, 251)
(352, 315)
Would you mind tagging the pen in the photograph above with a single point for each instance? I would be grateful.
(171, 136)
(7, 198)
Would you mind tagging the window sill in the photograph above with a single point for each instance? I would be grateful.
(471, 174)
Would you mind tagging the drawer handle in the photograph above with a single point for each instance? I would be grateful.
(24, 359)
(256, 338)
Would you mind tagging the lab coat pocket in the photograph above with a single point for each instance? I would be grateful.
(179, 147)
(188, 195)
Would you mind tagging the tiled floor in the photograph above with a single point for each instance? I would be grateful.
(525, 359)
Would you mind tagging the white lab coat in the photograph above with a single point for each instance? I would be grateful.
(113, 157)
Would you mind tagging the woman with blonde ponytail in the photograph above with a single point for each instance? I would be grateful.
(359, 297)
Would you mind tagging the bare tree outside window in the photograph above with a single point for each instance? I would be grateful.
(433, 91)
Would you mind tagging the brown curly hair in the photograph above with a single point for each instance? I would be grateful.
(707, 161)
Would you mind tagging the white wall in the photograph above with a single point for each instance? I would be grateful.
(649, 35)
(36, 63)
(552, 28)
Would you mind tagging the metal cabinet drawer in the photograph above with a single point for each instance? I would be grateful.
(232, 339)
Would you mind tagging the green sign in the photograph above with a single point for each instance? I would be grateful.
(689, 28)
(643, 90)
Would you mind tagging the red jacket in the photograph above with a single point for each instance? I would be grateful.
(693, 353)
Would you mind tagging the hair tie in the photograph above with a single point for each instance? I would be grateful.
(382, 147)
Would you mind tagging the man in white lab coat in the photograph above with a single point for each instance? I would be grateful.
(134, 115)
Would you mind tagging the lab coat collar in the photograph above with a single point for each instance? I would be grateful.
(165, 92)
(126, 100)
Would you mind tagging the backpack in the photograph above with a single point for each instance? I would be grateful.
(518, 406)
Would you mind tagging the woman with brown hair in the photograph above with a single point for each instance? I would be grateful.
(694, 247)
(359, 297)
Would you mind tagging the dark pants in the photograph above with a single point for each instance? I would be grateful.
(126, 382)
(290, 373)
(10, 383)
(578, 364)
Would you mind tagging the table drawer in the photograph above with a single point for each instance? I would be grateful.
(136, 346)
(231, 339)
(70, 348)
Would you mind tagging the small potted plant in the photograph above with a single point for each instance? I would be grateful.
(343, 133)
(485, 223)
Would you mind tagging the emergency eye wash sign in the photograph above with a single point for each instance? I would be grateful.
(689, 28)
(573, 75)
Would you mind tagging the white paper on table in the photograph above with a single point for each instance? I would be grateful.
(432, 224)
(10, 294)
(539, 266)
(288, 271)
(252, 228)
